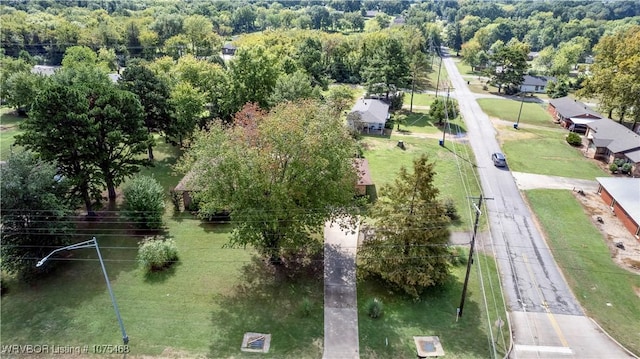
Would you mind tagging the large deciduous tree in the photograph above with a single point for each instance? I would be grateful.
(387, 68)
(280, 175)
(153, 94)
(253, 76)
(94, 131)
(409, 249)
(34, 212)
(509, 65)
(615, 76)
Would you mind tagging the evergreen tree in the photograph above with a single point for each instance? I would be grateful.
(409, 250)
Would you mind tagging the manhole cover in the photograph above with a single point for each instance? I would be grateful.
(256, 342)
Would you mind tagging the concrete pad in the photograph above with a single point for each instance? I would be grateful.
(341, 333)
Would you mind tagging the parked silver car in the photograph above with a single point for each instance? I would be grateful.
(498, 159)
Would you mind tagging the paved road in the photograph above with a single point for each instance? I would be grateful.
(340, 305)
(545, 316)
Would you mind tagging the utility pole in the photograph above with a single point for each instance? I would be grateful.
(515, 125)
(470, 261)
(446, 118)
(439, 68)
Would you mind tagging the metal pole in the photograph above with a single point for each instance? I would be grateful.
(439, 68)
(125, 338)
(515, 125)
(470, 261)
(446, 118)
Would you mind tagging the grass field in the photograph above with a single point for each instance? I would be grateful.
(391, 336)
(419, 99)
(580, 251)
(507, 109)
(553, 155)
(9, 129)
(454, 172)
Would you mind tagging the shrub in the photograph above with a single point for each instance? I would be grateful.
(619, 162)
(459, 256)
(144, 202)
(626, 168)
(613, 168)
(451, 210)
(374, 308)
(574, 139)
(157, 253)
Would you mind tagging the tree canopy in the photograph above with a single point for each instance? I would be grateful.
(34, 210)
(616, 73)
(409, 249)
(280, 175)
(94, 131)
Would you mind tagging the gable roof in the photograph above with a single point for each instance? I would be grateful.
(229, 46)
(626, 191)
(371, 111)
(364, 175)
(568, 107)
(528, 80)
(621, 139)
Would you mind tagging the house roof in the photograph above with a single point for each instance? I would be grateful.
(528, 80)
(371, 111)
(229, 46)
(183, 185)
(621, 138)
(626, 191)
(568, 107)
(44, 70)
(364, 175)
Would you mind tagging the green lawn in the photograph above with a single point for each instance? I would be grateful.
(202, 305)
(419, 99)
(391, 336)
(548, 153)
(9, 129)
(507, 109)
(580, 251)
(464, 69)
(385, 160)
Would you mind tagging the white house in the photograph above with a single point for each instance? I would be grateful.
(368, 116)
(535, 84)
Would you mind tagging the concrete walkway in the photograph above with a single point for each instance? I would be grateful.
(340, 304)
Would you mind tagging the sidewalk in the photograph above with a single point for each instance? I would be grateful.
(340, 304)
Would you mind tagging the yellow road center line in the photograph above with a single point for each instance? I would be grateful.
(552, 319)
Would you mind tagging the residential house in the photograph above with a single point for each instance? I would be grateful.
(44, 70)
(609, 140)
(370, 13)
(623, 196)
(50, 70)
(228, 49)
(535, 84)
(572, 114)
(365, 185)
(368, 116)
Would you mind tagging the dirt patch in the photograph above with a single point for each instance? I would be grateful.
(613, 231)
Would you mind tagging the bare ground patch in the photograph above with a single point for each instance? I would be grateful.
(613, 232)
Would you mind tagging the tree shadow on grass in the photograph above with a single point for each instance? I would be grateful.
(290, 310)
(433, 315)
(49, 306)
(161, 276)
